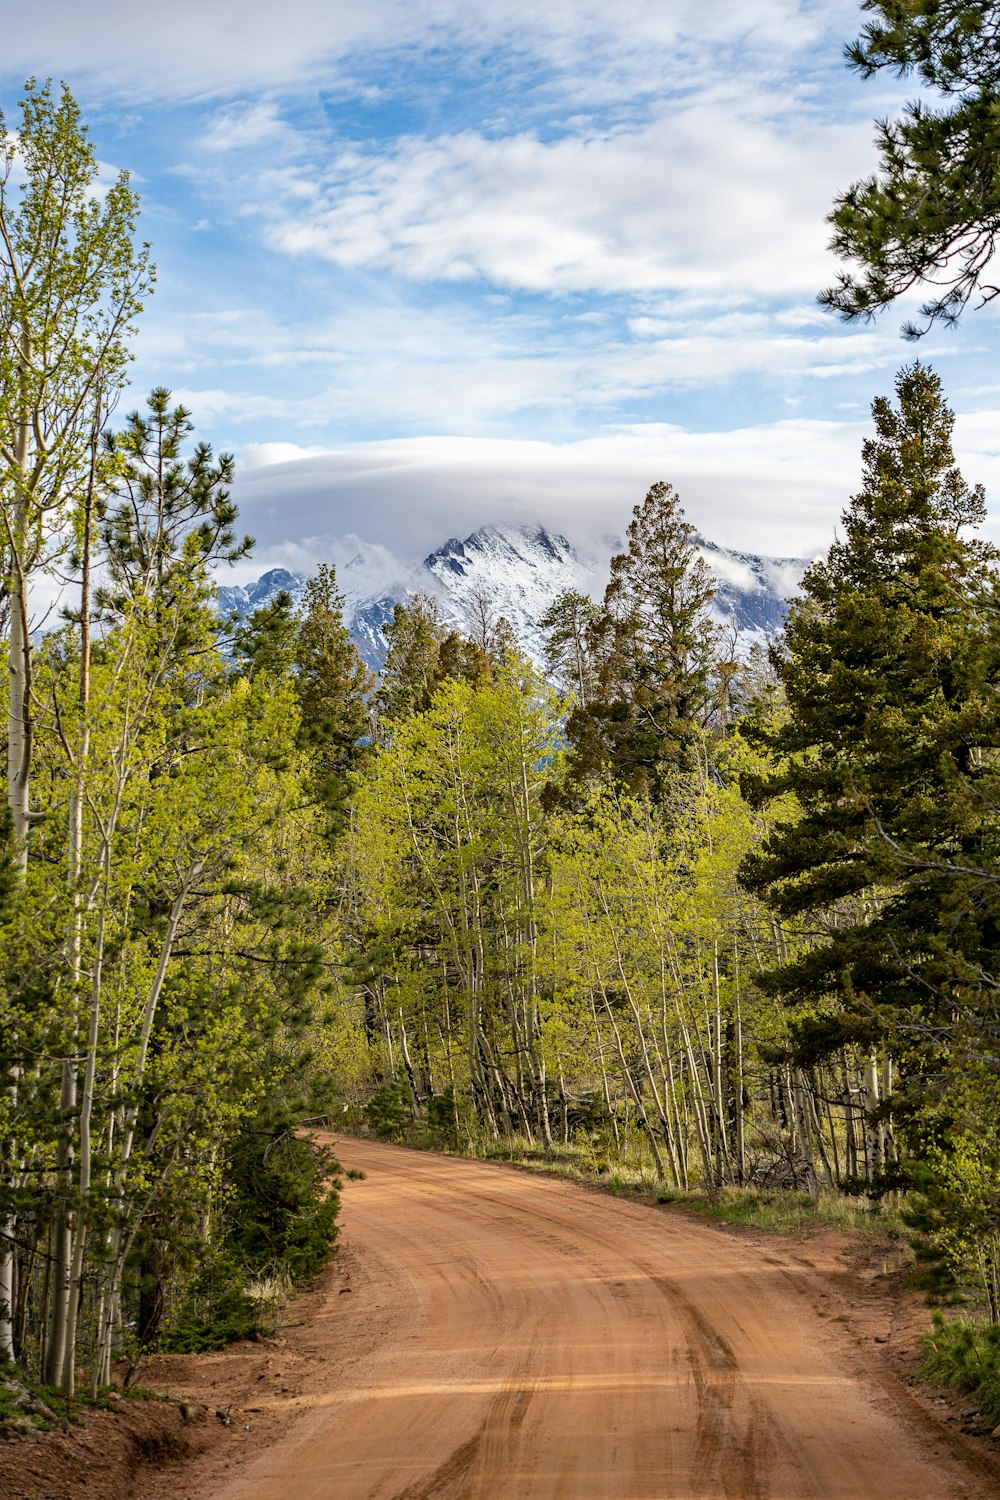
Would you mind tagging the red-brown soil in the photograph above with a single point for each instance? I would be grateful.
(487, 1334)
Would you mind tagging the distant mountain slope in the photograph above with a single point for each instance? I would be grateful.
(516, 572)
(752, 592)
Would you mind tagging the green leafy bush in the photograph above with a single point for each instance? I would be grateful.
(280, 1226)
(216, 1310)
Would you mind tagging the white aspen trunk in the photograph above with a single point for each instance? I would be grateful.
(722, 1133)
(702, 1134)
(741, 1146)
(118, 1245)
(18, 773)
(629, 1082)
(19, 708)
(873, 1130)
(535, 1058)
(888, 1141)
(679, 1133)
(75, 1233)
(55, 1372)
(605, 1086)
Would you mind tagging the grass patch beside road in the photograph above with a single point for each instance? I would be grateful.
(781, 1212)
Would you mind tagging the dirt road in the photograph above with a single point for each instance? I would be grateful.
(527, 1339)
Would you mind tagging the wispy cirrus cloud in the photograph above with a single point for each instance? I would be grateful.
(706, 197)
(236, 47)
(456, 261)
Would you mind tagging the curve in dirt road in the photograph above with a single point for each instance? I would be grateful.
(540, 1341)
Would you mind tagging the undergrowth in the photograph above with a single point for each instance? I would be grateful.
(781, 1211)
(965, 1355)
(27, 1403)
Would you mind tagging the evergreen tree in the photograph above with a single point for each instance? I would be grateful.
(412, 666)
(332, 684)
(888, 665)
(568, 622)
(173, 515)
(423, 654)
(267, 640)
(932, 212)
(653, 645)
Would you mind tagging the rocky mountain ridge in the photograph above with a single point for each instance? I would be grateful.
(515, 572)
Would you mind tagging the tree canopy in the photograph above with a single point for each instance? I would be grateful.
(930, 215)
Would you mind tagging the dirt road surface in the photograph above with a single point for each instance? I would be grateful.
(521, 1338)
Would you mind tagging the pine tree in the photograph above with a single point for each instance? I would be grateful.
(932, 212)
(412, 666)
(332, 684)
(267, 640)
(423, 654)
(889, 743)
(173, 515)
(567, 623)
(653, 645)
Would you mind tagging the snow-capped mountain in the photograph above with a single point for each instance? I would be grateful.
(515, 572)
(752, 592)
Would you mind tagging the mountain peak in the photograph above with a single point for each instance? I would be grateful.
(516, 570)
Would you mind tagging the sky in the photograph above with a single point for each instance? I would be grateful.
(425, 265)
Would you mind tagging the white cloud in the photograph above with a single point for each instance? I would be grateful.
(238, 46)
(713, 196)
(475, 370)
(777, 489)
(239, 127)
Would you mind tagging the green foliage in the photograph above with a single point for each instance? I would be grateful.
(282, 1204)
(886, 666)
(217, 1309)
(569, 623)
(422, 655)
(652, 647)
(389, 1111)
(267, 640)
(172, 515)
(966, 1356)
(442, 1117)
(71, 286)
(932, 211)
(331, 684)
(279, 1223)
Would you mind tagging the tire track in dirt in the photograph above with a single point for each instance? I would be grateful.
(540, 1341)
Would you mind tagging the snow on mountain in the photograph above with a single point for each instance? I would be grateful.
(515, 572)
(752, 592)
(511, 571)
(236, 599)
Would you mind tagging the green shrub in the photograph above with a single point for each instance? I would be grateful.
(442, 1117)
(283, 1208)
(389, 1111)
(215, 1310)
(279, 1227)
(966, 1356)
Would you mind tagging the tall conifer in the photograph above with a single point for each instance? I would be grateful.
(653, 646)
(889, 664)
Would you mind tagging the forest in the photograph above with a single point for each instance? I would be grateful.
(727, 921)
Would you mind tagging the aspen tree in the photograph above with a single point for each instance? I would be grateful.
(71, 285)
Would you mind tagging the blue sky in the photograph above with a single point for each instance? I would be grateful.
(428, 265)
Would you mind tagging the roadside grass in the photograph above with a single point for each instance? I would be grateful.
(779, 1211)
(267, 1293)
(964, 1353)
